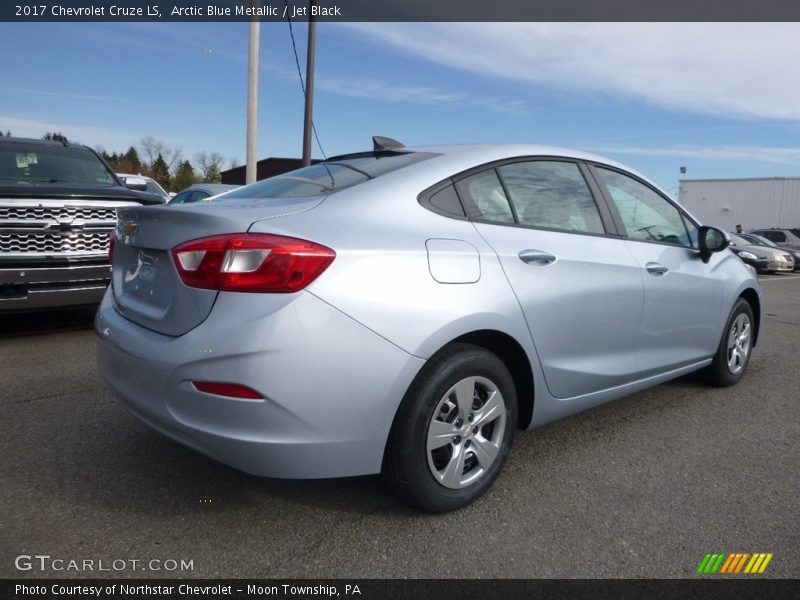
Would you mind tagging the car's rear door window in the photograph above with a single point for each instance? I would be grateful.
(484, 197)
(646, 214)
(551, 194)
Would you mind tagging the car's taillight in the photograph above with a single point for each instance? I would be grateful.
(112, 241)
(251, 262)
(232, 390)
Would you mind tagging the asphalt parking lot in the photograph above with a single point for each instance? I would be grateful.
(642, 487)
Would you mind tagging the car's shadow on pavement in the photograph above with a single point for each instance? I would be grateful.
(46, 322)
(142, 471)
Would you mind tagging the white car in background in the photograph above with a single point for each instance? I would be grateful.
(150, 185)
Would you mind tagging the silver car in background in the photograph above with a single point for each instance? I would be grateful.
(405, 311)
(774, 260)
(757, 240)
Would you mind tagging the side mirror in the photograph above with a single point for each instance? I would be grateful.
(710, 240)
(135, 183)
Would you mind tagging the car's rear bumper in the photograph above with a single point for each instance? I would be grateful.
(309, 424)
(52, 286)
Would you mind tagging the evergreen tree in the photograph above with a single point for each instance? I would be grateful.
(160, 171)
(132, 157)
(212, 174)
(184, 176)
(56, 137)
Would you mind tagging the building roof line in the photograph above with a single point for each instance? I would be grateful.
(776, 178)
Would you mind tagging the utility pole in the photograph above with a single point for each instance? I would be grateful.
(252, 97)
(308, 122)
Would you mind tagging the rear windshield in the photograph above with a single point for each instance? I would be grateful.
(330, 176)
(40, 165)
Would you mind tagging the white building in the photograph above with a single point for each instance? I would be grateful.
(752, 203)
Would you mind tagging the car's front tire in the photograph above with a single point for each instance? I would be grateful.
(453, 431)
(735, 347)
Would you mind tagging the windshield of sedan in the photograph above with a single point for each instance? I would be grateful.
(40, 165)
(329, 176)
(740, 241)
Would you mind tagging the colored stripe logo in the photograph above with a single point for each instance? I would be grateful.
(734, 563)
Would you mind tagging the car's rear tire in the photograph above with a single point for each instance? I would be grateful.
(453, 431)
(735, 347)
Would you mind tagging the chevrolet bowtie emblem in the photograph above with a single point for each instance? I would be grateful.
(129, 229)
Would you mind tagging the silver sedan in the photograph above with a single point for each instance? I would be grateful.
(405, 311)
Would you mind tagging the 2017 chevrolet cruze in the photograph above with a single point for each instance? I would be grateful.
(406, 310)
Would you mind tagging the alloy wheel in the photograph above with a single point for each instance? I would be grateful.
(466, 432)
(739, 343)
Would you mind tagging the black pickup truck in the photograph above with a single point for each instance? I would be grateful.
(57, 207)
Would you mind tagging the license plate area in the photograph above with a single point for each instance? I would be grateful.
(146, 276)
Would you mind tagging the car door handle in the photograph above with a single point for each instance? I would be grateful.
(537, 257)
(655, 268)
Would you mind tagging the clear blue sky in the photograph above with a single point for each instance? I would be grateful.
(721, 99)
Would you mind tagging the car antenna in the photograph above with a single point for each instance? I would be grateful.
(385, 143)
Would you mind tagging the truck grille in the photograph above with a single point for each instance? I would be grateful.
(32, 229)
(54, 243)
(56, 213)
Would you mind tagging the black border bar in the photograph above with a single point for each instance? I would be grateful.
(401, 10)
(705, 587)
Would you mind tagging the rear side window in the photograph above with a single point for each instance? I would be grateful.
(446, 201)
(776, 236)
(484, 197)
(551, 194)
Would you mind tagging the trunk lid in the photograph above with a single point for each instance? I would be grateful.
(145, 282)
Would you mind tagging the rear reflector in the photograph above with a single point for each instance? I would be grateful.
(232, 390)
(251, 262)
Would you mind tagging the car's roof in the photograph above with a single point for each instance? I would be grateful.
(215, 188)
(484, 153)
(40, 142)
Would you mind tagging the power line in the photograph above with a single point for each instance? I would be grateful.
(300, 75)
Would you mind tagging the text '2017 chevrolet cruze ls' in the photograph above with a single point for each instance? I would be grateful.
(404, 311)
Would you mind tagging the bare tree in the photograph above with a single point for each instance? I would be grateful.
(172, 157)
(234, 162)
(151, 147)
(210, 165)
